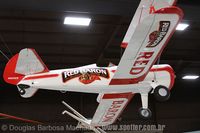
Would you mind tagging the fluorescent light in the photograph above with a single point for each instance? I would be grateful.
(190, 77)
(182, 26)
(77, 21)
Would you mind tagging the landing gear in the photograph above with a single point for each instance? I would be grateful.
(161, 93)
(22, 88)
(145, 113)
(22, 91)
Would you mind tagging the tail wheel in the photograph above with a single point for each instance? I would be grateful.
(145, 113)
(22, 91)
(161, 93)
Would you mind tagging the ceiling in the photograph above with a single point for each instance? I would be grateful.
(39, 25)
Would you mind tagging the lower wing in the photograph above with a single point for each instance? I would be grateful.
(110, 107)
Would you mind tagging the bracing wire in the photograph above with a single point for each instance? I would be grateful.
(158, 62)
(3, 41)
(5, 44)
(4, 55)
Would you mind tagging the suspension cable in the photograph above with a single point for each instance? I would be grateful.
(4, 55)
(5, 44)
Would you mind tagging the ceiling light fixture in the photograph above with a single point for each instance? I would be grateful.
(182, 26)
(77, 21)
(190, 77)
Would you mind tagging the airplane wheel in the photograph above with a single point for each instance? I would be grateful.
(22, 91)
(145, 113)
(161, 93)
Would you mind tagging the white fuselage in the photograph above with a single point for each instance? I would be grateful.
(93, 79)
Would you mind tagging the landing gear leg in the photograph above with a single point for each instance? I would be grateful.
(145, 112)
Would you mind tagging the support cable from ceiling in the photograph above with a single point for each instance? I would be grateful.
(5, 44)
(4, 55)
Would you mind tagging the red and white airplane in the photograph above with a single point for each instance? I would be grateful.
(151, 28)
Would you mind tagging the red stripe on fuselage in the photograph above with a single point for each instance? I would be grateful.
(42, 76)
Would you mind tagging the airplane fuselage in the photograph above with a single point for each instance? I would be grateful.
(93, 79)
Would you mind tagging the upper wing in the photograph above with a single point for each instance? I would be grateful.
(110, 107)
(145, 8)
(146, 44)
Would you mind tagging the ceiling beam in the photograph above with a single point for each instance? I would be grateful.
(108, 7)
(117, 7)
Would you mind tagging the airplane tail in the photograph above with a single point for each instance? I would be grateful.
(26, 62)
